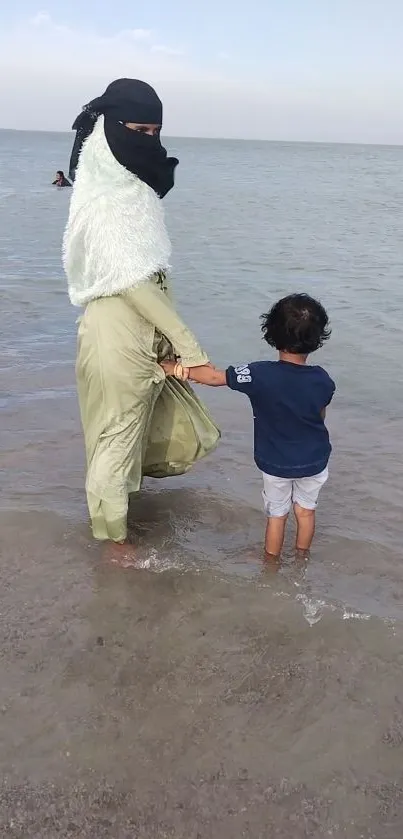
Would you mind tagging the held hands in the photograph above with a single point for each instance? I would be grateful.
(168, 367)
(174, 368)
(178, 371)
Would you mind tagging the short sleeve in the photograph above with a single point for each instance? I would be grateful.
(330, 391)
(241, 378)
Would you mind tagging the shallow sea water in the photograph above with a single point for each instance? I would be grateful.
(227, 692)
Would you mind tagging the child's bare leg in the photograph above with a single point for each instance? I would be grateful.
(305, 527)
(275, 530)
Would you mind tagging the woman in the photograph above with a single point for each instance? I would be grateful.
(116, 255)
(61, 180)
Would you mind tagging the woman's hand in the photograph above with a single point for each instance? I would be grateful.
(168, 366)
(174, 368)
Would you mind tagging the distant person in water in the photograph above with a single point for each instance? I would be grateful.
(61, 180)
(289, 400)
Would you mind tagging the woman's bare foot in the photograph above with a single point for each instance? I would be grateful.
(120, 553)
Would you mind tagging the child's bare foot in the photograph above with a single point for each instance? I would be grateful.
(305, 528)
(272, 562)
(120, 553)
(274, 538)
(302, 555)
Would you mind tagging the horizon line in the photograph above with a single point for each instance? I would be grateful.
(227, 139)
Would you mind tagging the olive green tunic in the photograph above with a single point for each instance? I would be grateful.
(135, 421)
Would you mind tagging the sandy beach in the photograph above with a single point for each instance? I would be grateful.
(145, 704)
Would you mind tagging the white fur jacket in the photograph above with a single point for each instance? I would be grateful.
(115, 238)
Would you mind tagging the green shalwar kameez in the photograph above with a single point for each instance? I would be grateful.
(135, 421)
(116, 253)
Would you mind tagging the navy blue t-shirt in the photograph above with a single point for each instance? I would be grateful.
(291, 439)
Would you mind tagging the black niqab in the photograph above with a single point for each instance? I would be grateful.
(128, 100)
(142, 154)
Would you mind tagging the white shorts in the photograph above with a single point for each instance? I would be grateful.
(279, 494)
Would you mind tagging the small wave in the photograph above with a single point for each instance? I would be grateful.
(356, 616)
(158, 564)
(314, 609)
(13, 400)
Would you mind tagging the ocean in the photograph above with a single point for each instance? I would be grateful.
(207, 693)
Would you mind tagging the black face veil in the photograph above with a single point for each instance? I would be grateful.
(128, 100)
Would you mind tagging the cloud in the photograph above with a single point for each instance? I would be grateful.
(41, 44)
(40, 19)
(43, 20)
(164, 50)
(49, 69)
(54, 68)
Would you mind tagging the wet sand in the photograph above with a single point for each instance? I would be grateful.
(184, 704)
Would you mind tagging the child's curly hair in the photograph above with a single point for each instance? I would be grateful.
(296, 324)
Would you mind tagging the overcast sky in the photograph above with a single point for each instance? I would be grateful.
(328, 70)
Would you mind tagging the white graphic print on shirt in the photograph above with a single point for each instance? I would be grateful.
(243, 374)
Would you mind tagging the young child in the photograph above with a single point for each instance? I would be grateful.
(289, 400)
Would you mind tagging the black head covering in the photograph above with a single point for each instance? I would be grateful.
(128, 100)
